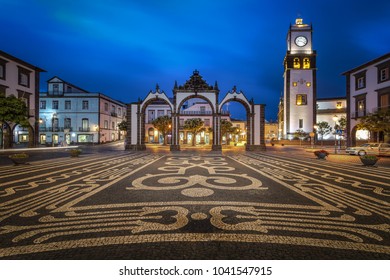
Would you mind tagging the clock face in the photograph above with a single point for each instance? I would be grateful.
(301, 41)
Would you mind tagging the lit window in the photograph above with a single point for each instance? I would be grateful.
(297, 64)
(301, 99)
(306, 63)
(339, 105)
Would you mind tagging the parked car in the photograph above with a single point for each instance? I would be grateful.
(379, 149)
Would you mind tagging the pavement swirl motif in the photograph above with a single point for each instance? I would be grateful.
(142, 198)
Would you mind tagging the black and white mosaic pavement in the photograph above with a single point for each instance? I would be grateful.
(127, 205)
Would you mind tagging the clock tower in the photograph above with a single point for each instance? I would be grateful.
(299, 80)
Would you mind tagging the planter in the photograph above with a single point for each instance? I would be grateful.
(19, 159)
(321, 156)
(368, 162)
(75, 152)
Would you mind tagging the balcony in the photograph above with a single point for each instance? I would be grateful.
(113, 114)
(84, 129)
(54, 129)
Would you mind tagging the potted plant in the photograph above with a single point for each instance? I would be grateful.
(369, 160)
(75, 152)
(321, 154)
(20, 158)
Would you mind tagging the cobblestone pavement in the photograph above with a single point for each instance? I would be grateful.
(189, 205)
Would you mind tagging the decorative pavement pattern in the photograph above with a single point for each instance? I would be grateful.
(187, 206)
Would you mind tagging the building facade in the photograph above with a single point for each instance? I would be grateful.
(20, 79)
(71, 115)
(368, 91)
(333, 111)
(299, 98)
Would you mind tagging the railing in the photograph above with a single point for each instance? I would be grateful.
(84, 129)
(113, 114)
(54, 129)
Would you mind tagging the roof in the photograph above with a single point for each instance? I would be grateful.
(374, 61)
(18, 60)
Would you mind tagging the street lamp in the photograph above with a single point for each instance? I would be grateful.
(335, 118)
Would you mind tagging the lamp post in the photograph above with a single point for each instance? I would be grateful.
(335, 118)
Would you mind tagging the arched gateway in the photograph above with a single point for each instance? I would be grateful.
(195, 87)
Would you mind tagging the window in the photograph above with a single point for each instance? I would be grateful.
(119, 112)
(42, 104)
(169, 113)
(55, 104)
(360, 105)
(339, 105)
(150, 116)
(56, 89)
(85, 124)
(160, 113)
(300, 123)
(306, 63)
(24, 77)
(384, 74)
(297, 64)
(113, 109)
(106, 124)
(67, 123)
(85, 105)
(384, 101)
(383, 71)
(113, 125)
(301, 99)
(2, 69)
(68, 105)
(202, 109)
(106, 107)
(360, 80)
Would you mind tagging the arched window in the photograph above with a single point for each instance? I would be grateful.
(306, 63)
(297, 64)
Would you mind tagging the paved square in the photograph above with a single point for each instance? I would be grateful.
(193, 206)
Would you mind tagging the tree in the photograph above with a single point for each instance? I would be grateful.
(12, 110)
(194, 126)
(226, 127)
(323, 128)
(122, 125)
(377, 122)
(163, 125)
(299, 133)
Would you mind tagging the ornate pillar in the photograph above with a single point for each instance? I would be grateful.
(216, 133)
(175, 146)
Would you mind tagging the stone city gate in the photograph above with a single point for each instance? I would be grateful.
(196, 87)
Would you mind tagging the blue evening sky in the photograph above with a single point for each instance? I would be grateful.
(124, 48)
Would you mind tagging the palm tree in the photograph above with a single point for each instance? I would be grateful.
(194, 126)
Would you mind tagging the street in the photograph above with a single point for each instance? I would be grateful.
(195, 204)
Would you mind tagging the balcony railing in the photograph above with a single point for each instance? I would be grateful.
(84, 129)
(54, 129)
